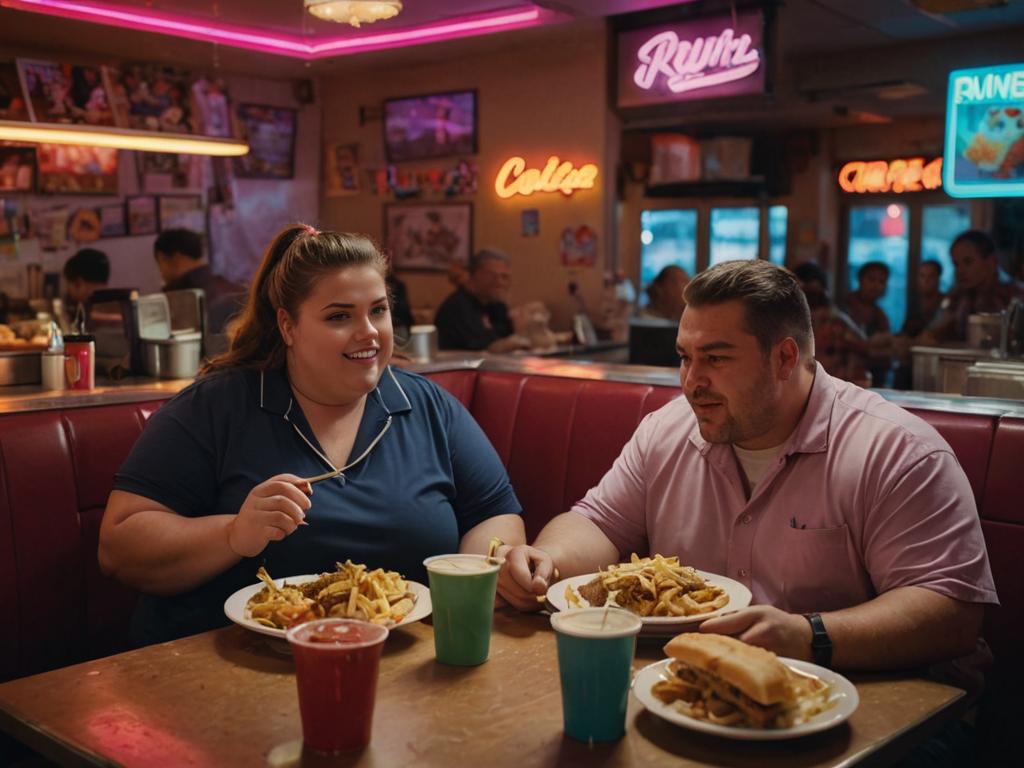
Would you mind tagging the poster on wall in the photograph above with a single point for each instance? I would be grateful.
(67, 170)
(141, 215)
(150, 97)
(984, 153)
(12, 101)
(578, 246)
(342, 170)
(17, 169)
(429, 237)
(112, 221)
(705, 57)
(64, 93)
(270, 132)
(181, 212)
(165, 172)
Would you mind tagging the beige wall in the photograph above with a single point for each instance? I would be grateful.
(535, 98)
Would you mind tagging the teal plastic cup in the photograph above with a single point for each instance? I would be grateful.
(462, 589)
(595, 664)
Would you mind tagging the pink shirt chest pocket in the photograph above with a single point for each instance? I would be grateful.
(809, 569)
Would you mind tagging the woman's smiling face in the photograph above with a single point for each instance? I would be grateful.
(340, 339)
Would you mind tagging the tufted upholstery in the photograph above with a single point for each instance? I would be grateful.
(557, 437)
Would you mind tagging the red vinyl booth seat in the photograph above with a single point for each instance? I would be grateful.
(557, 436)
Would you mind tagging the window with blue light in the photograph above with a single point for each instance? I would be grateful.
(667, 237)
(880, 233)
(778, 220)
(940, 224)
(735, 234)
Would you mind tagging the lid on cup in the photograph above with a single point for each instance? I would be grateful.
(79, 337)
(603, 623)
(461, 564)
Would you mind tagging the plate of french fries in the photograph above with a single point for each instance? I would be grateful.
(666, 595)
(351, 591)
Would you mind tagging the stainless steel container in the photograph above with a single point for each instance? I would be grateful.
(173, 358)
(20, 368)
(422, 344)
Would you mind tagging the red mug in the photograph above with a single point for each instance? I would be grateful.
(80, 361)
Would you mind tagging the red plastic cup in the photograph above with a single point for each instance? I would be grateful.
(336, 664)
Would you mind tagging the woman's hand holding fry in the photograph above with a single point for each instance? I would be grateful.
(271, 511)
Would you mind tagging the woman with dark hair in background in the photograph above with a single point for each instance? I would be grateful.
(215, 486)
(665, 292)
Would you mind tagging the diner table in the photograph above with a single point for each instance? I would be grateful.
(228, 698)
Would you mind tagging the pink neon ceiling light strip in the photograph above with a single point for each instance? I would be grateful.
(286, 45)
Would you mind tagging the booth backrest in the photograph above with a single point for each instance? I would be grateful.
(557, 437)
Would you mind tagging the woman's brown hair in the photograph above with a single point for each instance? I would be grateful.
(295, 260)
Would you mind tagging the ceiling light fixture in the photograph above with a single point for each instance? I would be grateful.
(120, 138)
(354, 12)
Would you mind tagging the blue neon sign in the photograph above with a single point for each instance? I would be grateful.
(984, 155)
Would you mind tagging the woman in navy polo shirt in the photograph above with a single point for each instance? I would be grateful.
(214, 486)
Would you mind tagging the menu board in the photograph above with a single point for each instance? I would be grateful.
(984, 154)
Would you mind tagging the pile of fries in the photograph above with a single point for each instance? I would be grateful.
(351, 592)
(650, 586)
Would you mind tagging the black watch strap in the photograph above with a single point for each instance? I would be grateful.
(821, 643)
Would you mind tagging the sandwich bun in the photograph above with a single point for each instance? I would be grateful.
(757, 672)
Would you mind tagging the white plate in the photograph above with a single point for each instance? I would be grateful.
(739, 597)
(234, 606)
(842, 695)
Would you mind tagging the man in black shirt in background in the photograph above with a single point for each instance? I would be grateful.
(475, 316)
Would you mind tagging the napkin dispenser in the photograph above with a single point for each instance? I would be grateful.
(120, 319)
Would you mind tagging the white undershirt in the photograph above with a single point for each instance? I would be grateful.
(756, 463)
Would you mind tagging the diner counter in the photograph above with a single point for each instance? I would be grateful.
(228, 698)
(135, 390)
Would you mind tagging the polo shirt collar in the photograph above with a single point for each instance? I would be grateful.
(276, 393)
(811, 433)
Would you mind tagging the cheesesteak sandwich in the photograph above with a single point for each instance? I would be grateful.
(725, 681)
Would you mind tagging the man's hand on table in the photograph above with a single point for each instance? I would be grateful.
(787, 634)
(525, 575)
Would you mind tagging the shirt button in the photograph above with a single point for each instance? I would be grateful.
(744, 573)
(746, 519)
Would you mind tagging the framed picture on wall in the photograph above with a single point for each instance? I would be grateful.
(270, 132)
(70, 170)
(432, 125)
(112, 221)
(429, 236)
(142, 215)
(181, 212)
(17, 169)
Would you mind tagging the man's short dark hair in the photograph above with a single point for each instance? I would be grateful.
(809, 272)
(872, 266)
(937, 266)
(982, 241)
(776, 307)
(88, 264)
(183, 241)
(487, 254)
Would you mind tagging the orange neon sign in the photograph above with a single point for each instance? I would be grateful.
(903, 175)
(515, 178)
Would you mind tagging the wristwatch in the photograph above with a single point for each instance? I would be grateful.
(821, 643)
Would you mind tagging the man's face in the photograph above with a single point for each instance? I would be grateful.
(166, 266)
(927, 280)
(873, 284)
(728, 381)
(972, 269)
(491, 281)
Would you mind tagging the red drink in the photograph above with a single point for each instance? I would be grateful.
(336, 662)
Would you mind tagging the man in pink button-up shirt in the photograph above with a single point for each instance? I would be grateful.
(818, 495)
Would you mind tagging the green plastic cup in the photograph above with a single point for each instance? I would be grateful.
(595, 664)
(462, 589)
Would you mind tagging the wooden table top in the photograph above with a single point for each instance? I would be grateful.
(228, 698)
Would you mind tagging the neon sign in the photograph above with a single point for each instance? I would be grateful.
(984, 154)
(514, 178)
(899, 176)
(700, 58)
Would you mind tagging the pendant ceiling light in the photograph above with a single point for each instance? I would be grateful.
(354, 12)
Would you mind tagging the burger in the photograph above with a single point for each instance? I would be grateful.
(728, 682)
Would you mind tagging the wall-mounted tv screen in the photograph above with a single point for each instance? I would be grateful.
(984, 154)
(432, 125)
